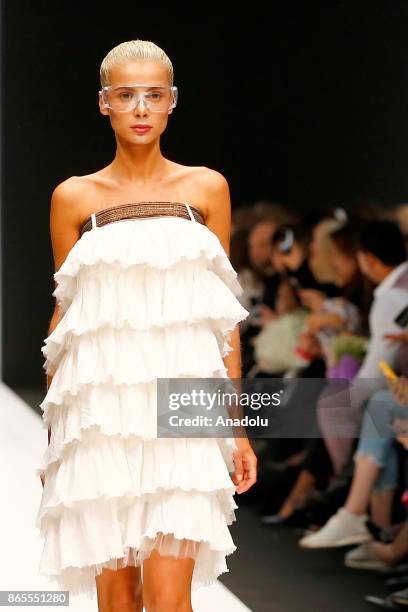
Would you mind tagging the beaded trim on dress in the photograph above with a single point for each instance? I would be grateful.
(141, 209)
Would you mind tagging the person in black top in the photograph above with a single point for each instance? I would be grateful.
(259, 250)
(291, 252)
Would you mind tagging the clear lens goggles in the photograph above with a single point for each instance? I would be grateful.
(125, 98)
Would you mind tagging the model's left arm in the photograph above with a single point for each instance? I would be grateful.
(218, 220)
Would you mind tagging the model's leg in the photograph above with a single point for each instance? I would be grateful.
(167, 583)
(120, 590)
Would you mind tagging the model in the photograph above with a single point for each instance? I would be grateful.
(144, 289)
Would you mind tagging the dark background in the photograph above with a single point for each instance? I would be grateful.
(306, 104)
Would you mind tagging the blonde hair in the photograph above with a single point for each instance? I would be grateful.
(133, 50)
(321, 263)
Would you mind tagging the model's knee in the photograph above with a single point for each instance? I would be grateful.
(126, 600)
(126, 603)
(164, 599)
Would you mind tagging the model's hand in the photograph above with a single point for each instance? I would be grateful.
(245, 462)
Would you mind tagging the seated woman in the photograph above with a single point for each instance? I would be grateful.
(375, 476)
(330, 317)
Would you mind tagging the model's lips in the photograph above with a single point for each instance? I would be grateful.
(141, 127)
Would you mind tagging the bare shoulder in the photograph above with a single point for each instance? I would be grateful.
(67, 199)
(71, 186)
(67, 204)
(217, 192)
(211, 190)
(216, 200)
(211, 180)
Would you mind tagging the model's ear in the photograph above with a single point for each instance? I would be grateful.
(103, 110)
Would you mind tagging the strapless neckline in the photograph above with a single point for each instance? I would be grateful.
(107, 215)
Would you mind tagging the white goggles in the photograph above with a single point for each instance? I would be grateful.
(125, 98)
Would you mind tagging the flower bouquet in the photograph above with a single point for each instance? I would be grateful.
(345, 355)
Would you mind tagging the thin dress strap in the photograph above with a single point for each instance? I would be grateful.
(93, 217)
(190, 213)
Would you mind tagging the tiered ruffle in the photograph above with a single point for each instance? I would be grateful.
(139, 300)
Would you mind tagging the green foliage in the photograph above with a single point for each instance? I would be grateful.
(353, 345)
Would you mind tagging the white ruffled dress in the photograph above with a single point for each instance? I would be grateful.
(140, 299)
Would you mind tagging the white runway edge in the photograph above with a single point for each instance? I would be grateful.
(22, 442)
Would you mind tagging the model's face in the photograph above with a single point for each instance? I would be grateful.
(146, 72)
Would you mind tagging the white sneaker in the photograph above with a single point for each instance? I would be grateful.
(363, 557)
(342, 529)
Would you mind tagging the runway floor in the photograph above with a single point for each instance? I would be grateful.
(281, 577)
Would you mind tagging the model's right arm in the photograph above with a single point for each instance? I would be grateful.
(65, 231)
